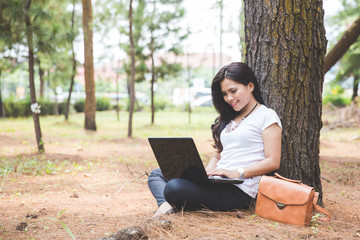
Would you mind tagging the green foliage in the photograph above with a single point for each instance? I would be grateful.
(52, 35)
(336, 96)
(4, 172)
(349, 64)
(162, 103)
(17, 108)
(62, 107)
(30, 166)
(103, 104)
(138, 106)
(21, 108)
(336, 100)
(79, 105)
(47, 107)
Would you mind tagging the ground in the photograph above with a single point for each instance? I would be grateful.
(86, 187)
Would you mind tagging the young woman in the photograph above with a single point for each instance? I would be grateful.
(247, 138)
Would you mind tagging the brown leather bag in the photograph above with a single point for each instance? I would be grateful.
(287, 201)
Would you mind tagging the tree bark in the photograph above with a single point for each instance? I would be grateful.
(152, 82)
(285, 46)
(355, 86)
(73, 66)
(41, 77)
(1, 103)
(132, 80)
(90, 100)
(152, 50)
(349, 37)
(221, 4)
(117, 92)
(29, 36)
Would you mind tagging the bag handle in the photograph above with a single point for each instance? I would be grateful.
(320, 209)
(287, 179)
(316, 197)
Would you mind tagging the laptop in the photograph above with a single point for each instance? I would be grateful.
(178, 158)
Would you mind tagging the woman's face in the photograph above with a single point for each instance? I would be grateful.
(237, 94)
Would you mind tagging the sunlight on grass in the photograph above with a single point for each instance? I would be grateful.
(166, 124)
(58, 133)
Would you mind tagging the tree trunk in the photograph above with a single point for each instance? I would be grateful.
(29, 37)
(152, 84)
(1, 103)
(285, 46)
(48, 83)
(349, 37)
(189, 85)
(132, 80)
(242, 33)
(90, 100)
(117, 92)
(152, 50)
(355, 86)
(221, 32)
(41, 77)
(73, 67)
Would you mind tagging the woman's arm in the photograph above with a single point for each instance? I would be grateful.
(213, 161)
(272, 147)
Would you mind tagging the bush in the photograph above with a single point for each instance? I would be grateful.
(103, 104)
(47, 107)
(21, 108)
(335, 94)
(336, 100)
(62, 107)
(17, 108)
(79, 105)
(161, 103)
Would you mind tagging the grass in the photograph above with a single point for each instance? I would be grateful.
(166, 123)
(58, 132)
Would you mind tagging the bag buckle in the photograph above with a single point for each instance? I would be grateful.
(280, 205)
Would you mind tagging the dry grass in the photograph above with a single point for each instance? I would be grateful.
(86, 172)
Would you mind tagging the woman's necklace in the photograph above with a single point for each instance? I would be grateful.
(233, 125)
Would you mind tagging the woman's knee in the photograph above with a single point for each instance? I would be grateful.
(175, 191)
(155, 174)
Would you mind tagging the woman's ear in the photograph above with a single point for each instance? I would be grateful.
(251, 86)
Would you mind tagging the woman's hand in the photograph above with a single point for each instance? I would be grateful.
(212, 163)
(224, 173)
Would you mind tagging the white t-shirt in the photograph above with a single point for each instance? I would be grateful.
(244, 145)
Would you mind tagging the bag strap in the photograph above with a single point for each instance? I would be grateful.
(320, 209)
(287, 179)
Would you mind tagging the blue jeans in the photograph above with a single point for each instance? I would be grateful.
(189, 195)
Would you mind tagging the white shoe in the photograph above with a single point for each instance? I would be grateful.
(164, 209)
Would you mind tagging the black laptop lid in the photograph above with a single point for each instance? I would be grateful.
(178, 158)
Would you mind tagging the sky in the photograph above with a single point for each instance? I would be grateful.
(202, 18)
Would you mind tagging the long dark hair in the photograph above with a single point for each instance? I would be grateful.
(238, 72)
